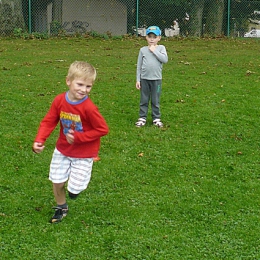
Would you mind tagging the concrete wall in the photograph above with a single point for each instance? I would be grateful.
(101, 16)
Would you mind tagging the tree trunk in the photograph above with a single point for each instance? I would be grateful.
(196, 16)
(11, 16)
(214, 17)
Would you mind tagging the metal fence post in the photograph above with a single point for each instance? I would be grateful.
(137, 16)
(228, 19)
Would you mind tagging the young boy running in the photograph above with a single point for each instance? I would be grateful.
(81, 127)
(149, 76)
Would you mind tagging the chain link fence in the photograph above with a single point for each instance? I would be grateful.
(187, 18)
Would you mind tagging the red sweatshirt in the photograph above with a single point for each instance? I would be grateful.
(83, 117)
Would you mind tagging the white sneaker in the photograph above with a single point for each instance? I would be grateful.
(140, 122)
(158, 122)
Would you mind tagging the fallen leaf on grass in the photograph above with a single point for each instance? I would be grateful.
(248, 72)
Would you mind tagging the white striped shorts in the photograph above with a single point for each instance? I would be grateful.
(77, 171)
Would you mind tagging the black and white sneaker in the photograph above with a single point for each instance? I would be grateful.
(158, 123)
(140, 122)
(59, 214)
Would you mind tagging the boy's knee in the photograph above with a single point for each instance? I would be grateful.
(59, 185)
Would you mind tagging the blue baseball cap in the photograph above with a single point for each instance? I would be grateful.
(153, 29)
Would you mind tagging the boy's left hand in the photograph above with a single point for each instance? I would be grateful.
(70, 136)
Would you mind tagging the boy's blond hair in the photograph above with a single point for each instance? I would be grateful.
(82, 70)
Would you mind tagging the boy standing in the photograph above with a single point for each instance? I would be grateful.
(81, 127)
(149, 76)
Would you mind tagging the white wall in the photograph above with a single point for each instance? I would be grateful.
(101, 15)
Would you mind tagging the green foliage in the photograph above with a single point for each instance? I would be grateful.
(10, 17)
(56, 28)
(187, 191)
(240, 21)
(19, 33)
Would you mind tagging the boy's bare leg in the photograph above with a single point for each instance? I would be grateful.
(59, 193)
(61, 210)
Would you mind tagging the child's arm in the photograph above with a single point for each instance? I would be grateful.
(46, 127)
(98, 129)
(161, 54)
(138, 69)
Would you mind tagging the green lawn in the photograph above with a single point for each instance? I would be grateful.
(187, 191)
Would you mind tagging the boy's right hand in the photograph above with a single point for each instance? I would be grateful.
(38, 147)
(138, 85)
(152, 48)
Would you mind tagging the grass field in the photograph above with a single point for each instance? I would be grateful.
(187, 191)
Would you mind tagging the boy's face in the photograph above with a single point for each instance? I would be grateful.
(152, 39)
(78, 88)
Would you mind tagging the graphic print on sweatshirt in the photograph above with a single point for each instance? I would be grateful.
(70, 121)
